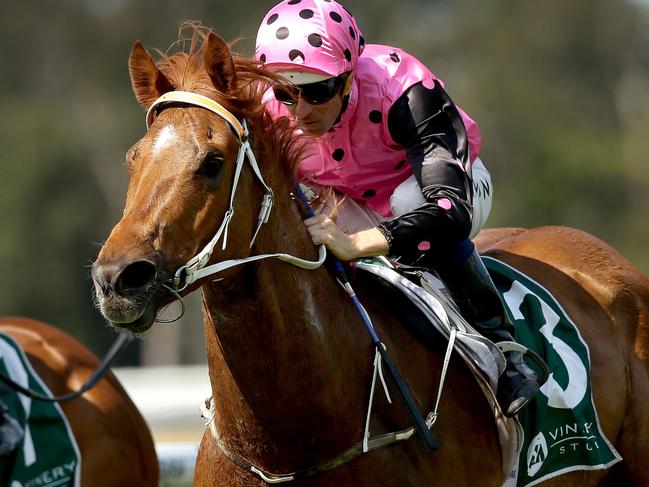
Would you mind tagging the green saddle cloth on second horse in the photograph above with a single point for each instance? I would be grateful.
(561, 427)
(48, 455)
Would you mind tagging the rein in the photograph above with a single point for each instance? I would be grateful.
(197, 268)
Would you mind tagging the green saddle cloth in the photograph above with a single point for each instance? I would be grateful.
(48, 455)
(561, 427)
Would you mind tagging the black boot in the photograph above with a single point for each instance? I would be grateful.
(479, 301)
(11, 433)
(517, 384)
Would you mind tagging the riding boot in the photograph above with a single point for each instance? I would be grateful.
(11, 433)
(475, 294)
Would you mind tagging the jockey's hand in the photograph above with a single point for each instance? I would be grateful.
(367, 243)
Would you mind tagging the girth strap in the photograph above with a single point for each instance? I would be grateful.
(351, 453)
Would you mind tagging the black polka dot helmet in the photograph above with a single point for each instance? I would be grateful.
(310, 36)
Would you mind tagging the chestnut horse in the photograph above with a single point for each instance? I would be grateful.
(114, 441)
(289, 358)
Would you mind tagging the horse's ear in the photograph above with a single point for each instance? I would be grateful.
(147, 80)
(219, 63)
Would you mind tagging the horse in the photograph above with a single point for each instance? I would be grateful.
(114, 441)
(289, 357)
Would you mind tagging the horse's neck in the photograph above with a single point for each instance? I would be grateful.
(282, 346)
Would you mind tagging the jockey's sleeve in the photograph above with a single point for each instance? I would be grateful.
(429, 126)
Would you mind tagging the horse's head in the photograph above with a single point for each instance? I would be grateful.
(181, 175)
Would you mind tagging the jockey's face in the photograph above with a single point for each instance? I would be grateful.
(317, 119)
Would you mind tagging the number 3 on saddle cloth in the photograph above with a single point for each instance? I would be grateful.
(48, 453)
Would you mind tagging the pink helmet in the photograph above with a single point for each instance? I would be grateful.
(317, 36)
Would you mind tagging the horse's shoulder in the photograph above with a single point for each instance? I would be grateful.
(26, 332)
(58, 358)
(51, 345)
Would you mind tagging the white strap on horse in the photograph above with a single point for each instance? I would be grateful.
(196, 268)
(190, 98)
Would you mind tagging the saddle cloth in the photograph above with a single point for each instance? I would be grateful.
(559, 430)
(48, 455)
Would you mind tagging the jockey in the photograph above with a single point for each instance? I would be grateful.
(386, 134)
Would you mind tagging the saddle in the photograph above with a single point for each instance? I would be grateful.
(427, 310)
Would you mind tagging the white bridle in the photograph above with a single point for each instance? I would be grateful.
(197, 268)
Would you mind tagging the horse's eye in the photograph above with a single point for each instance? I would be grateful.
(211, 166)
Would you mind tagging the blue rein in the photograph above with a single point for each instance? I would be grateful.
(430, 443)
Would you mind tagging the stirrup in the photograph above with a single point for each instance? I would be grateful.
(509, 346)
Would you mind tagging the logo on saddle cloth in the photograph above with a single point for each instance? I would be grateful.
(48, 455)
(561, 427)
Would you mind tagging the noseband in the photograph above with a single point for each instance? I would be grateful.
(197, 267)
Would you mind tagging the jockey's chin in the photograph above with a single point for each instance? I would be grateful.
(315, 128)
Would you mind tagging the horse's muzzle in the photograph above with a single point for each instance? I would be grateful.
(128, 295)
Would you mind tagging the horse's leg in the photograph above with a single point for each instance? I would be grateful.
(630, 307)
(633, 438)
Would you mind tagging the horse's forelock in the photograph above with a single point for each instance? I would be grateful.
(186, 72)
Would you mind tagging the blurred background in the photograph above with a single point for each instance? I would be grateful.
(560, 89)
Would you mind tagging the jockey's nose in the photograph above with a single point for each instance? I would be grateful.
(302, 108)
(131, 278)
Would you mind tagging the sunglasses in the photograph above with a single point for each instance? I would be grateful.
(312, 93)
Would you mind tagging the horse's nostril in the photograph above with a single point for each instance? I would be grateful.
(135, 276)
(99, 278)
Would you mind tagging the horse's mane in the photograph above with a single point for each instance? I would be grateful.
(275, 139)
